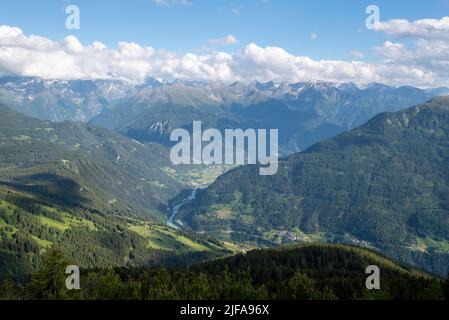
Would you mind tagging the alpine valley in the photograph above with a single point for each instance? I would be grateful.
(86, 178)
(101, 196)
(384, 185)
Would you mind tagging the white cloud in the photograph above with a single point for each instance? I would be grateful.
(226, 41)
(31, 55)
(313, 36)
(427, 51)
(423, 29)
(273, 63)
(394, 51)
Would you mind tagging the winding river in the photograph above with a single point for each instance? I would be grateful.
(175, 210)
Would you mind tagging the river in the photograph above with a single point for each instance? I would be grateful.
(175, 210)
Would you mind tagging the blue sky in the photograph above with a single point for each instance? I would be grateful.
(316, 29)
(339, 25)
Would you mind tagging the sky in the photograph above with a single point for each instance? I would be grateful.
(219, 40)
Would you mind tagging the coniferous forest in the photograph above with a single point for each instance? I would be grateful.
(313, 272)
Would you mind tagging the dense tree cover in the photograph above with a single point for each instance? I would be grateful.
(446, 288)
(386, 183)
(83, 166)
(28, 227)
(315, 272)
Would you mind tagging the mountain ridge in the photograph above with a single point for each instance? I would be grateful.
(383, 184)
(112, 171)
(304, 113)
(319, 109)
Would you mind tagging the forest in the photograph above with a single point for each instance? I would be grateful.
(311, 272)
(384, 184)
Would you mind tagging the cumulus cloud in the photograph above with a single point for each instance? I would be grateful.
(226, 41)
(31, 55)
(273, 63)
(423, 28)
(426, 49)
(69, 59)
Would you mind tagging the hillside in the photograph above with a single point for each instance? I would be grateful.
(327, 271)
(30, 227)
(383, 185)
(83, 166)
(99, 195)
(312, 272)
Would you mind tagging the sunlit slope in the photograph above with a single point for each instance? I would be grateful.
(384, 185)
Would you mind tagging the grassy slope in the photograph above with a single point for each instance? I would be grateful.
(28, 227)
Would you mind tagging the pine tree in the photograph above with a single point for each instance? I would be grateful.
(446, 288)
(49, 281)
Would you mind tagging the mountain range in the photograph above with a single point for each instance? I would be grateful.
(383, 185)
(304, 112)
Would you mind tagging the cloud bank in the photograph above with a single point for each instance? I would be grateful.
(425, 64)
(423, 28)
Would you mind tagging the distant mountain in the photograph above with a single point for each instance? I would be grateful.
(383, 185)
(304, 113)
(59, 100)
(84, 166)
(52, 100)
